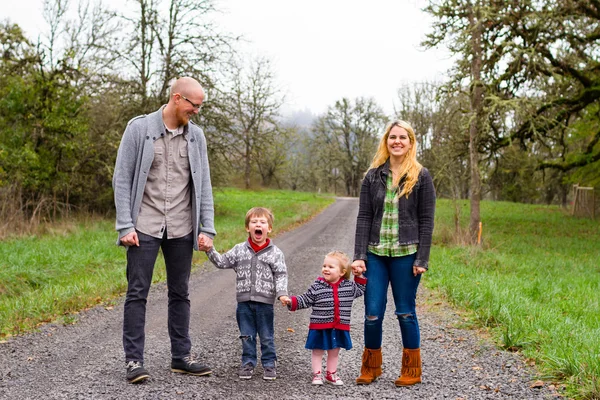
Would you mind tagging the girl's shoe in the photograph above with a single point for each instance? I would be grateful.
(332, 378)
(317, 378)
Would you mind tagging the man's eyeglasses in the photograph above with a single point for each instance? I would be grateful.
(196, 106)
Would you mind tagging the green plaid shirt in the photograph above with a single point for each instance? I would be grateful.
(388, 237)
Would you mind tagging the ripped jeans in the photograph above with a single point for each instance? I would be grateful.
(397, 271)
(256, 318)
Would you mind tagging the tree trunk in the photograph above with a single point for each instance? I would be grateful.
(476, 122)
(145, 45)
(247, 166)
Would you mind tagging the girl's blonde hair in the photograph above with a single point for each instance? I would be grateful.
(344, 262)
(410, 167)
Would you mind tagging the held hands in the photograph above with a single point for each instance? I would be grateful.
(204, 242)
(418, 270)
(285, 300)
(358, 267)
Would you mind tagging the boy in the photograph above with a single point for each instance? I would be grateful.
(261, 278)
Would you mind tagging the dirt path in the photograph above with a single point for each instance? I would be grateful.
(85, 361)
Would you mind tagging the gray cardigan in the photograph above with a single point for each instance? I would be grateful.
(134, 160)
(260, 276)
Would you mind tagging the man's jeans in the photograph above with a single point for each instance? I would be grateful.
(140, 265)
(397, 271)
(256, 318)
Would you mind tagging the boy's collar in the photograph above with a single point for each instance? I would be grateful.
(256, 247)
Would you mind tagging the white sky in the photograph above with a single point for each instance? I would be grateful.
(322, 50)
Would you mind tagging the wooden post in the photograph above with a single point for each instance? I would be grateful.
(576, 192)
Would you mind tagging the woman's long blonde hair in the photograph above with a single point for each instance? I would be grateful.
(410, 168)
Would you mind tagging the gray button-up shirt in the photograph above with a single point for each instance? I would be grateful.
(167, 203)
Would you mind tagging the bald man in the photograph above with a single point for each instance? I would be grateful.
(163, 198)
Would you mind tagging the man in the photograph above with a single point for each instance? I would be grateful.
(163, 197)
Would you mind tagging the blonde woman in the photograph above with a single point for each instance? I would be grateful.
(392, 243)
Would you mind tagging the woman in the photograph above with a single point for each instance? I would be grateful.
(393, 238)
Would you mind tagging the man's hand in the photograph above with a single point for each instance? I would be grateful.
(131, 239)
(358, 267)
(205, 243)
(285, 300)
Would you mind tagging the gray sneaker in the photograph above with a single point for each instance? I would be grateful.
(188, 365)
(136, 373)
(246, 371)
(270, 373)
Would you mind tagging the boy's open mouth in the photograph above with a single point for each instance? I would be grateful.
(258, 235)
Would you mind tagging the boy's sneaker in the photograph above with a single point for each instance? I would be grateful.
(136, 373)
(333, 379)
(317, 378)
(270, 373)
(246, 371)
(187, 365)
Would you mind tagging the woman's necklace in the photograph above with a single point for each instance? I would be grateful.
(395, 172)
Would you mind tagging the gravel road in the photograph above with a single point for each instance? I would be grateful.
(85, 360)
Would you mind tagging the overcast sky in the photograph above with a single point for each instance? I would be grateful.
(322, 50)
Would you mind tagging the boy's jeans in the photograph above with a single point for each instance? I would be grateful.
(256, 318)
(140, 265)
(397, 271)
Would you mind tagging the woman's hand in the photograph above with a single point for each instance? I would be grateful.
(358, 267)
(418, 270)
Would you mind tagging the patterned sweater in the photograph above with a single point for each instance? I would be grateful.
(331, 302)
(261, 276)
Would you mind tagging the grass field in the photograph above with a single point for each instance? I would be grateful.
(76, 266)
(534, 283)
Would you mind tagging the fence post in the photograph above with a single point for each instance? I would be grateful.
(575, 193)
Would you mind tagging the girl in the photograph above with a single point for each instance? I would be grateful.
(330, 297)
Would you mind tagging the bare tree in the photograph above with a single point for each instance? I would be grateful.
(166, 43)
(275, 156)
(253, 104)
(348, 133)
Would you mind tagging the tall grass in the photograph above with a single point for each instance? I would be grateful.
(49, 277)
(535, 283)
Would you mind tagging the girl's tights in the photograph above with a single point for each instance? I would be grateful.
(332, 360)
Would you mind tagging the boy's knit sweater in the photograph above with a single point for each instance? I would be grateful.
(261, 276)
(331, 302)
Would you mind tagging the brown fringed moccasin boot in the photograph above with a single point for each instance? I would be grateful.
(371, 366)
(411, 368)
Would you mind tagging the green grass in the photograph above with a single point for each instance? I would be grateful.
(535, 283)
(53, 276)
